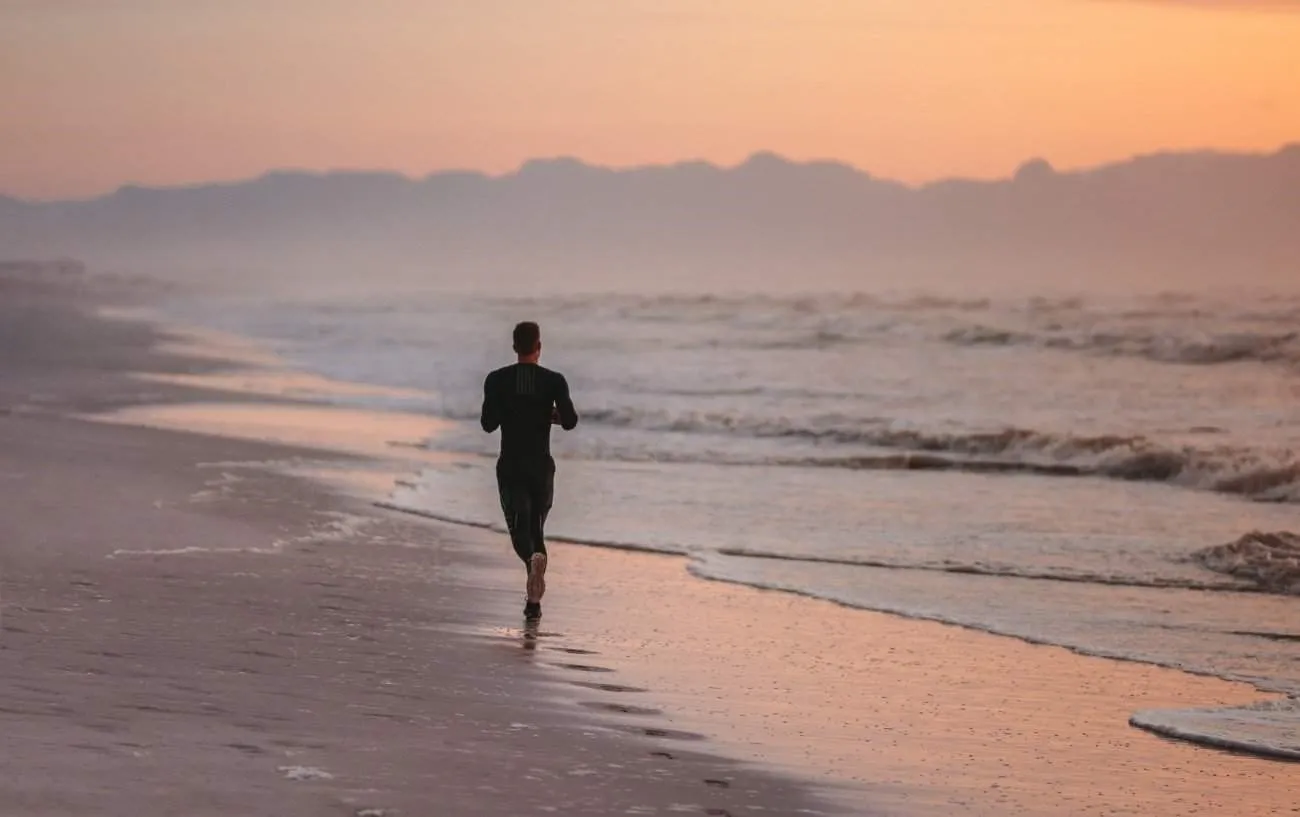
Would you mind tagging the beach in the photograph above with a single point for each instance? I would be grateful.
(187, 629)
(835, 409)
(207, 612)
(922, 718)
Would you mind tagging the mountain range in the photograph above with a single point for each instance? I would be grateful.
(1163, 221)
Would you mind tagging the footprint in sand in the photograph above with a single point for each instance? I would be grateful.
(584, 668)
(607, 687)
(622, 709)
(669, 734)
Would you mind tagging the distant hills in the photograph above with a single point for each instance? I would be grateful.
(1163, 220)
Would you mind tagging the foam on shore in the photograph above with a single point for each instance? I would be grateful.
(1269, 728)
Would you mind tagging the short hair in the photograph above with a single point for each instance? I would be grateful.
(527, 336)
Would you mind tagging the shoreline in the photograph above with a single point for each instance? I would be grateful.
(1265, 695)
(672, 685)
(958, 720)
(1207, 729)
(211, 633)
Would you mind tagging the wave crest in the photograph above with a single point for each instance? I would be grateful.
(1151, 344)
(1268, 476)
(1269, 560)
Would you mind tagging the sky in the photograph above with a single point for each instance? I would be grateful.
(95, 94)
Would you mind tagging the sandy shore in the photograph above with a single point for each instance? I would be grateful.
(648, 664)
(925, 718)
(189, 628)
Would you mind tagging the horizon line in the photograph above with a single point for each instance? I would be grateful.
(754, 156)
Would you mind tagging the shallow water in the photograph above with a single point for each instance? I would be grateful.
(1044, 469)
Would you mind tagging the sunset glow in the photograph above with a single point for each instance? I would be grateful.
(97, 94)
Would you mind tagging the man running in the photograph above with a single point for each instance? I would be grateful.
(524, 400)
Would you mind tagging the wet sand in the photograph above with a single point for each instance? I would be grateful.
(927, 718)
(189, 629)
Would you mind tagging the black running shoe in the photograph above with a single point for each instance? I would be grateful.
(532, 610)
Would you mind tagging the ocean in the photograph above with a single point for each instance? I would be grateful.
(1118, 476)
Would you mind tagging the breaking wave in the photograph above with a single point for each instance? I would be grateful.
(1258, 475)
(1230, 347)
(1270, 561)
(1170, 330)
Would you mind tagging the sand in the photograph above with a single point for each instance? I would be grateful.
(926, 718)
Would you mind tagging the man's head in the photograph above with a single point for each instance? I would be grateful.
(528, 341)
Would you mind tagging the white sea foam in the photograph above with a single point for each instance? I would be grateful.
(214, 489)
(305, 773)
(343, 527)
(185, 551)
(1270, 728)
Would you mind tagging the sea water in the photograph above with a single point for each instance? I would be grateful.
(1120, 477)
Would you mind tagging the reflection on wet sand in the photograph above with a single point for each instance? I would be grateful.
(530, 635)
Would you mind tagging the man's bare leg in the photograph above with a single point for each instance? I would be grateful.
(537, 577)
(536, 586)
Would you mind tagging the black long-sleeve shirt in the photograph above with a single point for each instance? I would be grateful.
(521, 400)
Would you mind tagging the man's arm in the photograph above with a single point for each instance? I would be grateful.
(490, 418)
(567, 414)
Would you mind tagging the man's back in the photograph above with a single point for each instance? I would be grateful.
(522, 400)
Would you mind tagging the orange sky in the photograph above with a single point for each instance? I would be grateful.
(96, 93)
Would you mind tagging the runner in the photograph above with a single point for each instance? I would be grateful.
(524, 400)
